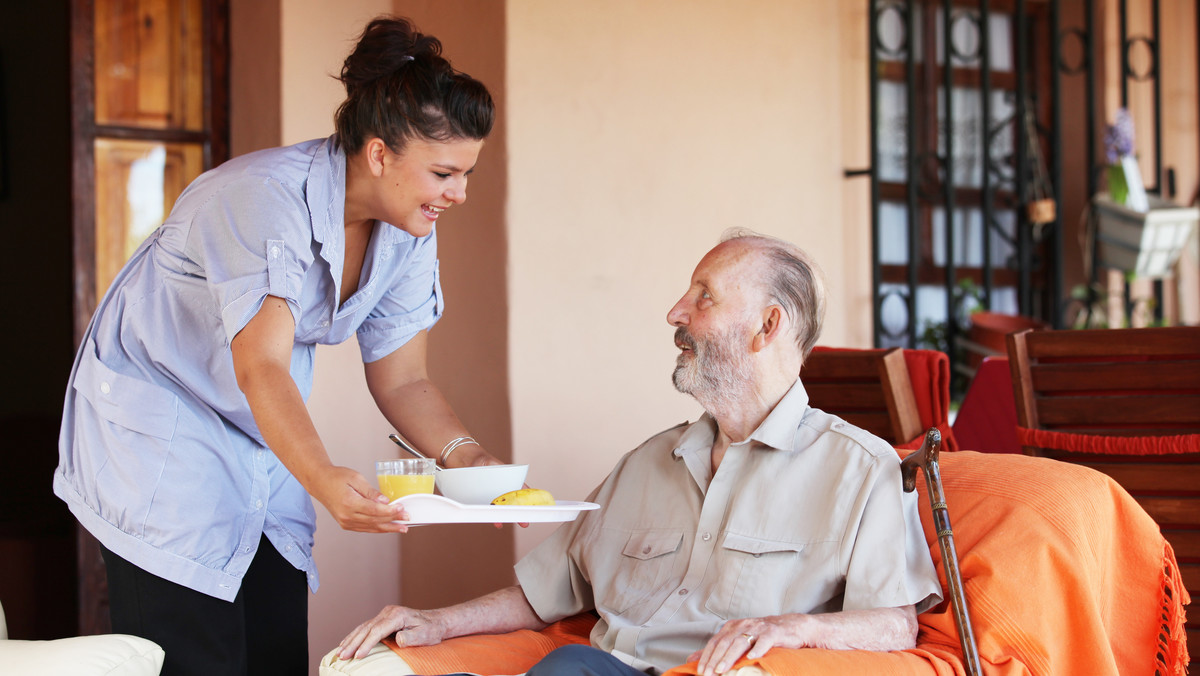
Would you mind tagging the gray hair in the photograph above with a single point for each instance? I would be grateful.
(794, 281)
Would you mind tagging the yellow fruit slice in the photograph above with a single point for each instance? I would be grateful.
(525, 497)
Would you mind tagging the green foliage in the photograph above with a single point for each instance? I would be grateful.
(968, 299)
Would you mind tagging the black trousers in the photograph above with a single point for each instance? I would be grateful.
(263, 631)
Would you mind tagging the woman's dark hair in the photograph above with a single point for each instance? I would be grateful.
(398, 87)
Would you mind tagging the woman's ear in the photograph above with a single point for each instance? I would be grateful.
(375, 152)
(772, 327)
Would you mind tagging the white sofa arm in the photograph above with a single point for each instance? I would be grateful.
(110, 654)
(381, 661)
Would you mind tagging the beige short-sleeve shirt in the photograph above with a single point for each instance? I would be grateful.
(808, 515)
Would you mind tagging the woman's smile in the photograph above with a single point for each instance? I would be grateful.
(432, 212)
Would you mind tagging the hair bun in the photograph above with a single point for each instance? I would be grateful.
(386, 45)
(399, 87)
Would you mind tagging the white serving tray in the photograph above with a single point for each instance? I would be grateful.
(427, 508)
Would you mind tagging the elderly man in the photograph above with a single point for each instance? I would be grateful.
(764, 523)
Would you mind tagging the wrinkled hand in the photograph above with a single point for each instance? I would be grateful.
(355, 504)
(751, 637)
(411, 627)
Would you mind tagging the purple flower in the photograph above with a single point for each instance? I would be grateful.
(1118, 137)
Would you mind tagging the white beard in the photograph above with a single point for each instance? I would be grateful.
(718, 372)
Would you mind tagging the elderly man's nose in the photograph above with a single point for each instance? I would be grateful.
(678, 315)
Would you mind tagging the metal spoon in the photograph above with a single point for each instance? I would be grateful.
(412, 451)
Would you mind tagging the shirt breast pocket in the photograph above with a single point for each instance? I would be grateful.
(646, 563)
(754, 574)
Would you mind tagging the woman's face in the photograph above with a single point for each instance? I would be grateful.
(426, 178)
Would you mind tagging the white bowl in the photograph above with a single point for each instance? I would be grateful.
(480, 485)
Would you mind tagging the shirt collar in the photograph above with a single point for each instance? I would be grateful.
(777, 431)
(326, 192)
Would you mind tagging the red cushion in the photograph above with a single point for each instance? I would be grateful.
(929, 371)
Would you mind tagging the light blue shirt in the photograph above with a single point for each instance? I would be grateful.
(159, 455)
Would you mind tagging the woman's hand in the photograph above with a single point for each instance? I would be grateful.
(355, 504)
(411, 628)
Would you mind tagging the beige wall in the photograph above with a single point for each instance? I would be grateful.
(358, 571)
(637, 132)
(469, 346)
(284, 57)
(630, 134)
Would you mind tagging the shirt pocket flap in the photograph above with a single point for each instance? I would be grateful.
(277, 268)
(129, 402)
(757, 546)
(647, 545)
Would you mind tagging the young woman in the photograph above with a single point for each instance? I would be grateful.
(186, 447)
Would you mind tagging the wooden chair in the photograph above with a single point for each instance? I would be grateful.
(1127, 403)
(870, 389)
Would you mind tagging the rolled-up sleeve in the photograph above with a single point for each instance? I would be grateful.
(412, 303)
(251, 240)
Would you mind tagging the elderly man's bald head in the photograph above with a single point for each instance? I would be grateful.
(791, 279)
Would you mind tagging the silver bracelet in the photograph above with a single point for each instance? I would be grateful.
(453, 444)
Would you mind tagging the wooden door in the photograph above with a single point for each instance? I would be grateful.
(149, 90)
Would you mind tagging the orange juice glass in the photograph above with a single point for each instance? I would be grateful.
(398, 478)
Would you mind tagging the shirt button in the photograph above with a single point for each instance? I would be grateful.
(646, 550)
(324, 323)
(683, 592)
(258, 505)
(706, 537)
(105, 387)
(274, 252)
(287, 548)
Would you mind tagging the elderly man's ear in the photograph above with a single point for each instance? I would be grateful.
(772, 328)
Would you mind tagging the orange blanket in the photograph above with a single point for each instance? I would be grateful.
(1064, 574)
(495, 654)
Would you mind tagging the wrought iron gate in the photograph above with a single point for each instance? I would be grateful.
(967, 116)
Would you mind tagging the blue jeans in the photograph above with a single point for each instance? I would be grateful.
(579, 660)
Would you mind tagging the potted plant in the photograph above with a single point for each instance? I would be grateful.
(1135, 232)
